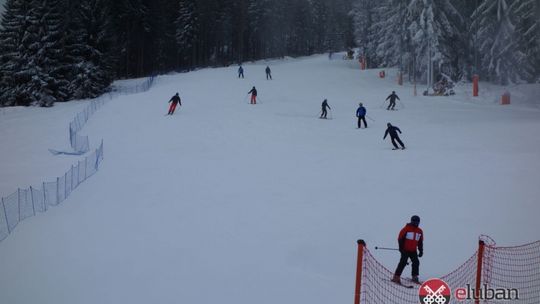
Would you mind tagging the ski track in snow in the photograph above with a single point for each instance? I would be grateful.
(231, 202)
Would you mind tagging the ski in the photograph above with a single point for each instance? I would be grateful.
(414, 282)
(400, 284)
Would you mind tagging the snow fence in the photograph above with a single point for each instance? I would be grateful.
(81, 144)
(490, 269)
(25, 203)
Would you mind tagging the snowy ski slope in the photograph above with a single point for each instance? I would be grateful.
(227, 202)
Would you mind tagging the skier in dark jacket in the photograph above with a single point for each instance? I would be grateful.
(410, 238)
(361, 114)
(174, 101)
(268, 73)
(324, 106)
(393, 131)
(392, 98)
(240, 72)
(253, 95)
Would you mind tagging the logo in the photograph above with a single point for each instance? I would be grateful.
(434, 291)
(486, 293)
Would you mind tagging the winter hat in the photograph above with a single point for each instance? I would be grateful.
(415, 219)
(360, 104)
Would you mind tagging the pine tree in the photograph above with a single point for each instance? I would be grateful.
(88, 50)
(14, 26)
(434, 27)
(527, 19)
(367, 26)
(392, 45)
(187, 31)
(501, 60)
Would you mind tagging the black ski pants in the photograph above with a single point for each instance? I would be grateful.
(360, 119)
(405, 256)
(391, 105)
(324, 113)
(394, 139)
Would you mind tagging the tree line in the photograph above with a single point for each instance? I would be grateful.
(59, 50)
(497, 39)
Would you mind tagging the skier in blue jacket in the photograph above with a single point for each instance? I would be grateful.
(361, 114)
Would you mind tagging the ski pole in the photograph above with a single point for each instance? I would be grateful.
(245, 98)
(386, 248)
(370, 118)
(331, 115)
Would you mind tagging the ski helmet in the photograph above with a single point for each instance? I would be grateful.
(415, 219)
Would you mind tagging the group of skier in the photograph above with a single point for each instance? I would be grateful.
(267, 71)
(361, 114)
(410, 238)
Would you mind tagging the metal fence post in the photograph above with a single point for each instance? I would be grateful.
(19, 202)
(65, 186)
(44, 198)
(359, 267)
(479, 262)
(71, 179)
(58, 190)
(32, 198)
(85, 166)
(5, 215)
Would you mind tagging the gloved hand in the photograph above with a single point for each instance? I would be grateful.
(420, 254)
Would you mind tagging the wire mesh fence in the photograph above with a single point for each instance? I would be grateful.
(25, 203)
(489, 271)
(81, 144)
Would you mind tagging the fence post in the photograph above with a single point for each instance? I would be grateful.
(32, 198)
(44, 198)
(479, 262)
(65, 186)
(71, 189)
(5, 215)
(58, 190)
(85, 167)
(359, 267)
(19, 202)
(475, 85)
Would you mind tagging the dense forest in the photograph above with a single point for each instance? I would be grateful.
(499, 40)
(58, 50)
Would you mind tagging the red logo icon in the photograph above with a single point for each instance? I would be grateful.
(434, 291)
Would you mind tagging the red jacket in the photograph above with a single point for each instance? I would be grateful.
(411, 237)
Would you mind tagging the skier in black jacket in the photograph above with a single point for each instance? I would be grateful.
(240, 72)
(268, 73)
(393, 131)
(253, 93)
(392, 98)
(324, 106)
(174, 100)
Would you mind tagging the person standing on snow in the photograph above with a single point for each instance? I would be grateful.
(410, 238)
(174, 101)
(361, 114)
(253, 95)
(268, 73)
(393, 131)
(324, 106)
(392, 98)
(240, 71)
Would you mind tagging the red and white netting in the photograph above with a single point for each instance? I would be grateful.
(506, 268)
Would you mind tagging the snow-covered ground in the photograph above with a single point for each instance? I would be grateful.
(235, 203)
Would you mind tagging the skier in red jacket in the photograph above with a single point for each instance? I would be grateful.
(174, 101)
(410, 238)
